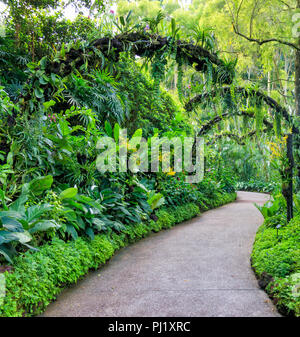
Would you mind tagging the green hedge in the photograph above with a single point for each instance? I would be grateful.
(38, 277)
(276, 261)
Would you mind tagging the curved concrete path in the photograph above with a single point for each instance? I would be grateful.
(198, 268)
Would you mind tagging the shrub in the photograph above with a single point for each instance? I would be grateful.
(256, 186)
(38, 277)
(277, 253)
(186, 212)
(286, 292)
(165, 219)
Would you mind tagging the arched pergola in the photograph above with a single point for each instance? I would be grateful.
(276, 108)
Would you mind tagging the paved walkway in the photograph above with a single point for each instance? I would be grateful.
(198, 268)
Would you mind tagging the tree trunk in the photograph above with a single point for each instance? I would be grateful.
(289, 194)
(297, 98)
(297, 80)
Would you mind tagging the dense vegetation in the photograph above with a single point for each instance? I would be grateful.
(155, 68)
(276, 257)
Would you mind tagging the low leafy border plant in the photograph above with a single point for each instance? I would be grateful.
(275, 260)
(38, 277)
(256, 186)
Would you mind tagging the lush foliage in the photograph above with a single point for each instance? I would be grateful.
(158, 68)
(39, 276)
(256, 186)
(276, 256)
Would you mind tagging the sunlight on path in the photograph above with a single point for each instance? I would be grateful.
(198, 268)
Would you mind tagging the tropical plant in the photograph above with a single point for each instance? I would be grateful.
(273, 207)
(20, 222)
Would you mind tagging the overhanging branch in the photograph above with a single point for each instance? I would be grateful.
(143, 45)
(261, 42)
(209, 125)
(239, 139)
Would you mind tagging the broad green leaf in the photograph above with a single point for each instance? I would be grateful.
(116, 132)
(41, 184)
(7, 252)
(48, 104)
(99, 224)
(43, 225)
(6, 237)
(23, 237)
(72, 231)
(11, 224)
(18, 205)
(138, 133)
(69, 193)
(108, 129)
(39, 93)
(10, 158)
(43, 80)
(12, 214)
(70, 214)
(64, 127)
(122, 21)
(77, 205)
(89, 232)
(34, 212)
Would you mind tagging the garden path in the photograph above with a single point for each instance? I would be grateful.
(198, 268)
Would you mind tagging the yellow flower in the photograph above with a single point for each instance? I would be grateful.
(171, 173)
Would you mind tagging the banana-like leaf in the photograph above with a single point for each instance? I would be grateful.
(18, 205)
(155, 200)
(41, 184)
(23, 237)
(6, 237)
(12, 214)
(8, 252)
(43, 226)
(72, 231)
(99, 224)
(34, 212)
(11, 224)
(69, 193)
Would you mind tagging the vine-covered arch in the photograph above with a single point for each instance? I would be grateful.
(211, 123)
(143, 45)
(238, 139)
(278, 111)
(246, 93)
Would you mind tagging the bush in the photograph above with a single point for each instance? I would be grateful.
(277, 253)
(165, 218)
(38, 277)
(256, 186)
(286, 293)
(170, 216)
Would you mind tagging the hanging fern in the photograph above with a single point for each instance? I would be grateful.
(245, 123)
(179, 80)
(259, 116)
(158, 69)
(232, 94)
(277, 124)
